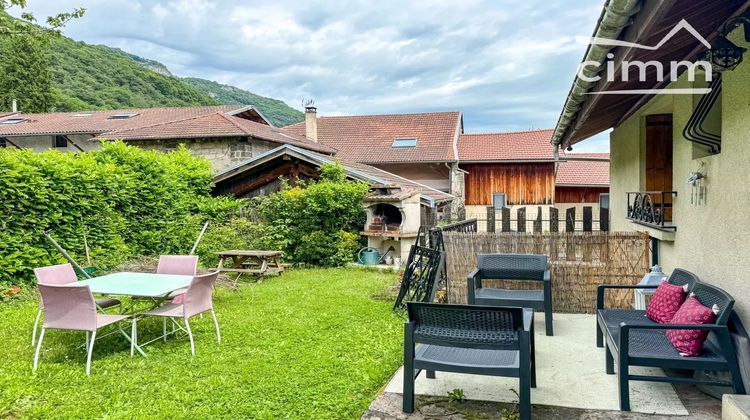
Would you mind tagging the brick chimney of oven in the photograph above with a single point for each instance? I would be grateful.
(311, 123)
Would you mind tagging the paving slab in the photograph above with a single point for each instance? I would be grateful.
(570, 373)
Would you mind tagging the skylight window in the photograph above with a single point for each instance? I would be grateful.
(82, 115)
(404, 143)
(13, 121)
(123, 116)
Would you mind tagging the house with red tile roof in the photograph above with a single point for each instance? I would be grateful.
(430, 149)
(224, 134)
(582, 179)
(420, 147)
(501, 169)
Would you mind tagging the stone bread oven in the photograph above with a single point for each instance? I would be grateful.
(393, 219)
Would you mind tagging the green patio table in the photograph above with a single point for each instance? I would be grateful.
(137, 284)
(148, 285)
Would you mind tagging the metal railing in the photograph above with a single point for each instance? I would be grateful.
(651, 208)
(464, 226)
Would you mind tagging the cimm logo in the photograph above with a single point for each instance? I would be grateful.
(591, 71)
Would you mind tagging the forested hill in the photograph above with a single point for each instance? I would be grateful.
(89, 77)
(279, 112)
(92, 77)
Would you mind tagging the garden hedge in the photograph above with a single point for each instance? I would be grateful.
(126, 201)
(318, 222)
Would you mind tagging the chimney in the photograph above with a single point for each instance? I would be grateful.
(15, 106)
(311, 123)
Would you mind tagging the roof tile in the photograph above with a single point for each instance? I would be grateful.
(514, 146)
(156, 123)
(369, 138)
(584, 172)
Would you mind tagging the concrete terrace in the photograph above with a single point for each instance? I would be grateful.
(571, 383)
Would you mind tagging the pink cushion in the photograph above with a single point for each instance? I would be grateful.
(665, 302)
(689, 342)
(179, 299)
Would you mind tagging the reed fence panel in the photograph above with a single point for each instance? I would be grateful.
(579, 262)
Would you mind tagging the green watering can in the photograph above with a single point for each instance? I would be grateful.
(371, 256)
(368, 256)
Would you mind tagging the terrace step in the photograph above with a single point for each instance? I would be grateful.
(735, 407)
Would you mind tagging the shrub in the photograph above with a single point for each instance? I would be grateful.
(238, 233)
(327, 249)
(317, 222)
(126, 201)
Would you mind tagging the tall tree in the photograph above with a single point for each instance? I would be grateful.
(24, 65)
(27, 24)
(25, 75)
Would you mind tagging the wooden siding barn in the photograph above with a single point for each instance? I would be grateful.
(523, 183)
(582, 178)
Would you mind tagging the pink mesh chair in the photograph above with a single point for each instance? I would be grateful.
(71, 307)
(61, 274)
(197, 301)
(185, 265)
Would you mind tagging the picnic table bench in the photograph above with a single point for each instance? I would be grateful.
(258, 263)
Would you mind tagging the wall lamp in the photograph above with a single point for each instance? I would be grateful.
(724, 54)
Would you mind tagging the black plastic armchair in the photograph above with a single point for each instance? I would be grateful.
(477, 340)
(512, 267)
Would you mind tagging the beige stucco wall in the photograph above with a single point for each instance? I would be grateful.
(435, 175)
(712, 240)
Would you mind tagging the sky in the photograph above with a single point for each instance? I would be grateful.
(506, 64)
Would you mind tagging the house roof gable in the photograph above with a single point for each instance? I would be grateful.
(370, 138)
(359, 171)
(158, 123)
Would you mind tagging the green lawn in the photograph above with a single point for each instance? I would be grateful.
(309, 344)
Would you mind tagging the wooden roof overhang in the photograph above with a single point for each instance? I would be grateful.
(246, 176)
(648, 27)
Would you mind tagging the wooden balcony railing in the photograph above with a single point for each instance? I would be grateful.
(652, 208)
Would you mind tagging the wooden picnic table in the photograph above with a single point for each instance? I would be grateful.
(250, 262)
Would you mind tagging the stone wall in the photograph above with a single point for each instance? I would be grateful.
(222, 152)
(458, 190)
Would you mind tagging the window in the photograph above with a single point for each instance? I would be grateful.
(499, 200)
(123, 116)
(3, 143)
(404, 143)
(604, 201)
(82, 115)
(61, 141)
(13, 121)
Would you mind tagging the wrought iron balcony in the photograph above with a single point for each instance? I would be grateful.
(652, 208)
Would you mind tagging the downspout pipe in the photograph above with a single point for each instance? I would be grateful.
(615, 17)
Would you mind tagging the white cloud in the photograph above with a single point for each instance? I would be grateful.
(507, 64)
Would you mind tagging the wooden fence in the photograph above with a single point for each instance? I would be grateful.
(528, 219)
(579, 262)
